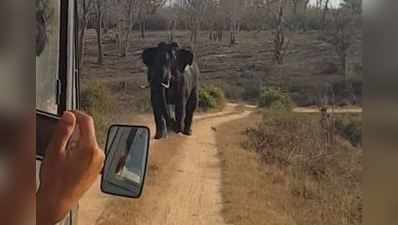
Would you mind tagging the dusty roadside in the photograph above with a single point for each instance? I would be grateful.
(250, 195)
(205, 179)
(183, 185)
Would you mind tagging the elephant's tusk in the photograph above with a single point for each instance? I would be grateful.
(166, 85)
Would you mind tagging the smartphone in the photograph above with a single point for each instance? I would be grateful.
(45, 127)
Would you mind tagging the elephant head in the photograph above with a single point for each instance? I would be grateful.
(160, 61)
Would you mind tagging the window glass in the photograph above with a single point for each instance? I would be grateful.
(47, 54)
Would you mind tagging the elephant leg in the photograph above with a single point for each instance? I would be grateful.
(160, 122)
(158, 112)
(190, 109)
(165, 107)
(171, 124)
(180, 112)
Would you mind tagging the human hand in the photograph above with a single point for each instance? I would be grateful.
(72, 163)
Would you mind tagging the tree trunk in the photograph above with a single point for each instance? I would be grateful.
(126, 22)
(295, 8)
(195, 30)
(324, 13)
(81, 42)
(123, 37)
(172, 28)
(343, 60)
(237, 31)
(119, 35)
(233, 28)
(125, 43)
(100, 57)
(279, 37)
(304, 22)
(197, 35)
(191, 27)
(143, 28)
(82, 32)
(213, 32)
(105, 19)
(99, 32)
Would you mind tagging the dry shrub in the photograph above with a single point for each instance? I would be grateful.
(275, 99)
(211, 98)
(96, 99)
(324, 181)
(350, 128)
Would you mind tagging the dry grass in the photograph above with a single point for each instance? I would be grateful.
(287, 176)
(323, 180)
(250, 194)
(211, 99)
(96, 99)
(349, 126)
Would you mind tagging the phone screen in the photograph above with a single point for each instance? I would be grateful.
(45, 126)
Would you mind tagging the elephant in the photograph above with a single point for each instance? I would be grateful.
(173, 77)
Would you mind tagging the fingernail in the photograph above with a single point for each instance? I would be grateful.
(68, 118)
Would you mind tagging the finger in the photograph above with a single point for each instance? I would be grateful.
(62, 133)
(86, 128)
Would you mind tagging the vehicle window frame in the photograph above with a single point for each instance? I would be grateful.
(61, 77)
(68, 15)
(68, 90)
(63, 57)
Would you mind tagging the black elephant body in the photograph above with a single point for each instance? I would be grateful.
(174, 80)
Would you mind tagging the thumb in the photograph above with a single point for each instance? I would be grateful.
(62, 133)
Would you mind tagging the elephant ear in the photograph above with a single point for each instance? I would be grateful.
(148, 56)
(185, 57)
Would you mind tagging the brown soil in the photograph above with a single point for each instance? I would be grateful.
(183, 185)
(252, 193)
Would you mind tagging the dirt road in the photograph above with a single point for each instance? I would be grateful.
(336, 110)
(183, 185)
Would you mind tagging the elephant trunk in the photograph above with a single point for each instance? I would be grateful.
(160, 102)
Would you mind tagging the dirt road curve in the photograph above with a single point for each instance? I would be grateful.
(183, 186)
(337, 110)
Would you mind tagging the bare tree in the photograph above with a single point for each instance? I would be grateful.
(234, 21)
(84, 7)
(324, 13)
(306, 3)
(354, 5)
(106, 16)
(172, 29)
(127, 13)
(150, 7)
(196, 10)
(254, 15)
(295, 4)
(98, 28)
(280, 41)
(211, 19)
(340, 33)
(319, 4)
(233, 10)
